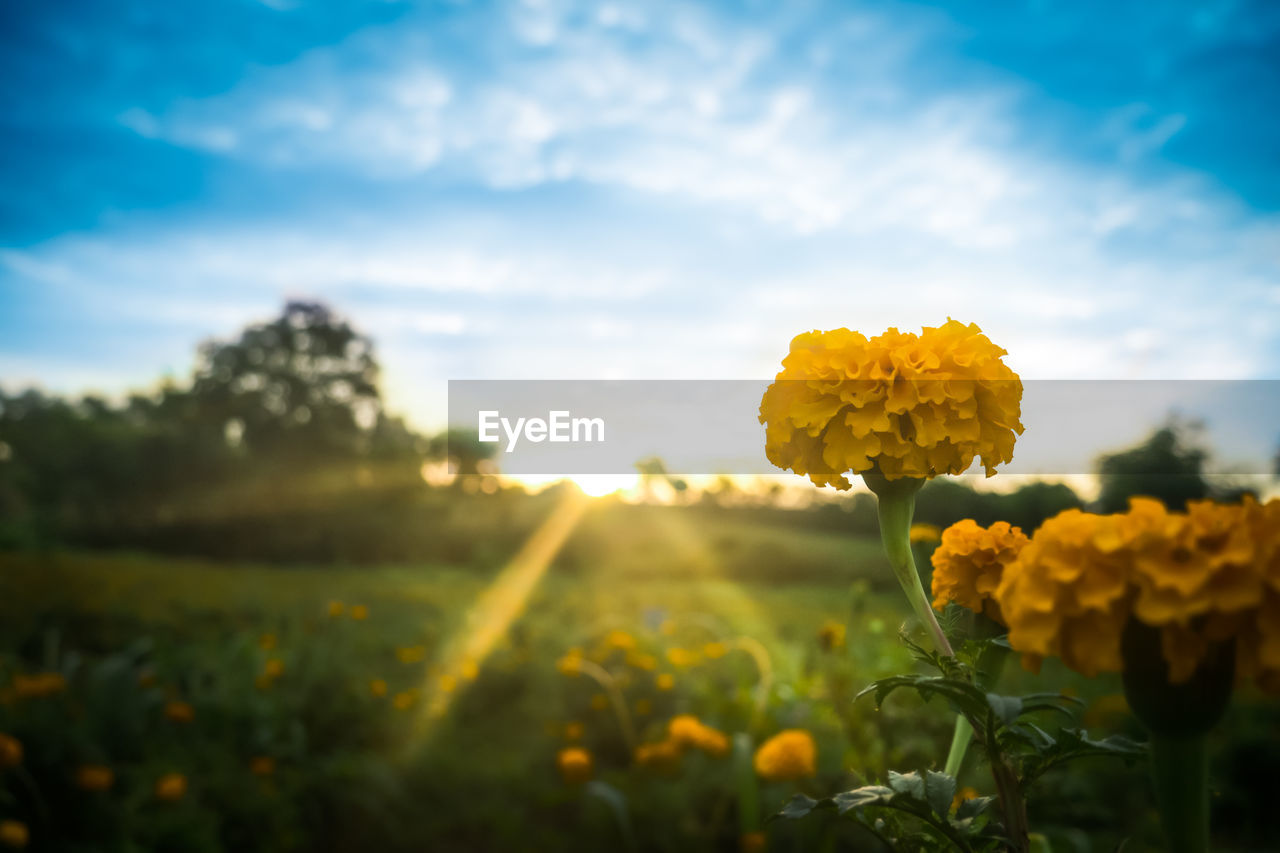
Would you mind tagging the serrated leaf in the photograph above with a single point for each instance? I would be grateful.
(971, 808)
(799, 806)
(907, 783)
(940, 790)
(1006, 708)
(868, 795)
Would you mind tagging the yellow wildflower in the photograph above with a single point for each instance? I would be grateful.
(10, 751)
(94, 777)
(359, 612)
(787, 756)
(910, 405)
(469, 669)
(681, 658)
(447, 683)
(262, 765)
(965, 793)
(665, 681)
(620, 640)
(575, 765)
(715, 650)
(273, 668)
(378, 687)
(661, 757)
(336, 608)
(171, 787)
(573, 731)
(14, 834)
(571, 663)
(403, 700)
(969, 562)
(831, 635)
(639, 660)
(688, 732)
(179, 712)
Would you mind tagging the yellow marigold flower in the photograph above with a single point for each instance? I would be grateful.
(665, 681)
(681, 658)
(688, 732)
(969, 562)
(571, 663)
(831, 635)
(620, 640)
(273, 668)
(10, 751)
(923, 533)
(262, 765)
(639, 660)
(753, 842)
(447, 683)
(171, 787)
(14, 834)
(378, 687)
(573, 731)
(965, 793)
(179, 712)
(469, 669)
(403, 700)
(94, 777)
(336, 608)
(359, 612)
(911, 405)
(38, 685)
(267, 642)
(787, 756)
(715, 650)
(575, 765)
(713, 742)
(599, 702)
(661, 757)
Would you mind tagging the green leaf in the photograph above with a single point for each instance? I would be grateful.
(971, 808)
(798, 807)
(907, 783)
(940, 790)
(1006, 708)
(868, 795)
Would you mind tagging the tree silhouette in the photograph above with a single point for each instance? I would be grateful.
(1164, 467)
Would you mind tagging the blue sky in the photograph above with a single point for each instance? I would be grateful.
(638, 190)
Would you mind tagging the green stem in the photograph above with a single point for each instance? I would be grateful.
(896, 506)
(959, 746)
(1180, 770)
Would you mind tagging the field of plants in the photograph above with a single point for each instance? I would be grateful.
(166, 704)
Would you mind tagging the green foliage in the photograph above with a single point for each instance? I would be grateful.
(1165, 466)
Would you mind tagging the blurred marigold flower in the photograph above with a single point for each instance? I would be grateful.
(679, 657)
(965, 793)
(639, 660)
(39, 684)
(262, 765)
(688, 732)
(661, 757)
(469, 670)
(447, 683)
(924, 533)
(831, 635)
(573, 731)
(969, 563)
(378, 686)
(14, 834)
(273, 668)
(403, 700)
(753, 842)
(336, 608)
(715, 650)
(359, 612)
(574, 764)
(1201, 577)
(171, 787)
(411, 654)
(179, 712)
(94, 777)
(665, 681)
(571, 663)
(910, 405)
(620, 640)
(787, 756)
(10, 751)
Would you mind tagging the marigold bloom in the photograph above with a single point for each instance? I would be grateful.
(10, 751)
(94, 777)
(661, 756)
(969, 562)
(378, 686)
(831, 635)
(359, 612)
(574, 763)
(179, 712)
(573, 731)
(787, 756)
(965, 793)
(335, 609)
(39, 684)
(571, 663)
(14, 834)
(688, 732)
(923, 533)
(665, 681)
(639, 660)
(910, 405)
(715, 650)
(262, 765)
(620, 640)
(403, 700)
(171, 787)
(681, 658)
(1201, 577)
(273, 668)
